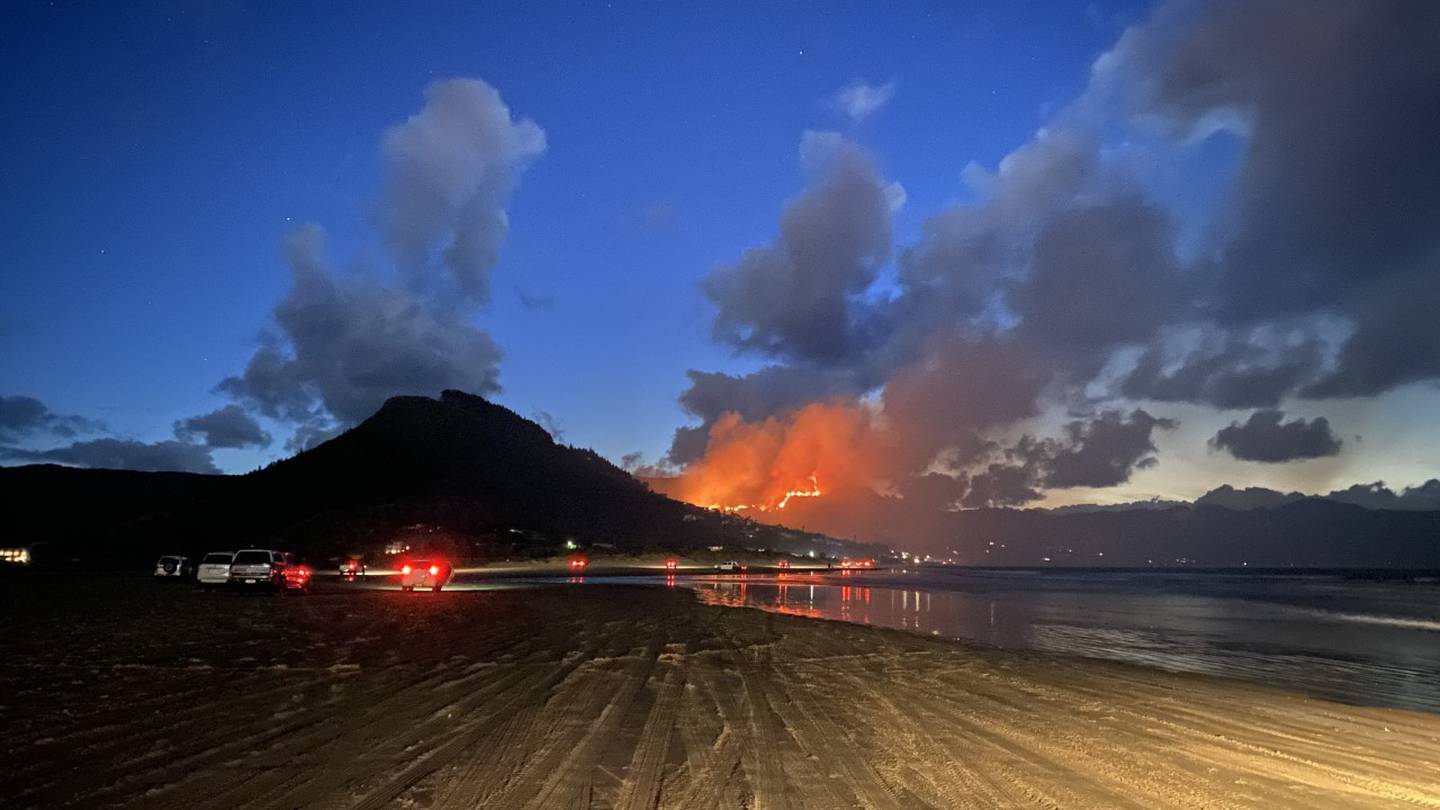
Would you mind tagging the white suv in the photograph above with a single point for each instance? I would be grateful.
(215, 568)
(259, 568)
(173, 566)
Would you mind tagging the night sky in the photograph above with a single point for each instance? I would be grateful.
(978, 254)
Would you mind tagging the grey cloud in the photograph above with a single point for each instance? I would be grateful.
(762, 393)
(450, 171)
(935, 491)
(1265, 437)
(551, 425)
(23, 416)
(346, 345)
(687, 445)
(1340, 186)
(1102, 452)
(1101, 275)
(124, 454)
(312, 433)
(1000, 485)
(1241, 370)
(967, 254)
(229, 426)
(1395, 341)
(795, 297)
(960, 389)
(632, 461)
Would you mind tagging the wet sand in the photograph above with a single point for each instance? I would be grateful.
(123, 692)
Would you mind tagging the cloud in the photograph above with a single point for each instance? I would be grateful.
(547, 420)
(1067, 281)
(1266, 438)
(1237, 369)
(124, 454)
(534, 301)
(229, 426)
(312, 434)
(450, 170)
(347, 345)
(1102, 452)
(1000, 485)
(343, 344)
(795, 297)
(860, 100)
(23, 416)
(1337, 200)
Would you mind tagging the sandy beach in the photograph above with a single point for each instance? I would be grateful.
(122, 692)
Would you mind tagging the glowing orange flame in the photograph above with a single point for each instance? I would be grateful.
(762, 467)
(812, 492)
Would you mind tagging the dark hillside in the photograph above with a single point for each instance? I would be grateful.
(458, 471)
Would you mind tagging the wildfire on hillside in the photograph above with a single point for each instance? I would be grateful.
(764, 466)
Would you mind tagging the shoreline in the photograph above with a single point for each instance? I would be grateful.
(629, 696)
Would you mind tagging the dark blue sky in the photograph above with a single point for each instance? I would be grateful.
(155, 158)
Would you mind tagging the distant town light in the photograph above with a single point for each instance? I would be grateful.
(15, 556)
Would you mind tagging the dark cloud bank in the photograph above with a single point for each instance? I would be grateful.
(1266, 437)
(1066, 287)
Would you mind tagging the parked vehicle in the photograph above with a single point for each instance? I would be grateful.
(173, 566)
(296, 579)
(259, 568)
(352, 568)
(431, 574)
(730, 565)
(215, 568)
(671, 565)
(578, 565)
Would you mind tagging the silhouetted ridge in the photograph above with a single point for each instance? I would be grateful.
(457, 471)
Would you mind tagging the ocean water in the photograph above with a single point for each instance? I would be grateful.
(1337, 635)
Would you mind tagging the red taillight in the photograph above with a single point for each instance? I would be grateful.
(670, 563)
(434, 570)
(405, 570)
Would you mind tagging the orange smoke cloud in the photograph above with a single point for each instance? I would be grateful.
(763, 466)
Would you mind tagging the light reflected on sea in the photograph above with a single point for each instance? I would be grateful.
(1336, 643)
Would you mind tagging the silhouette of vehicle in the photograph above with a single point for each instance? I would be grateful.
(260, 568)
(296, 579)
(425, 574)
(172, 566)
(215, 568)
